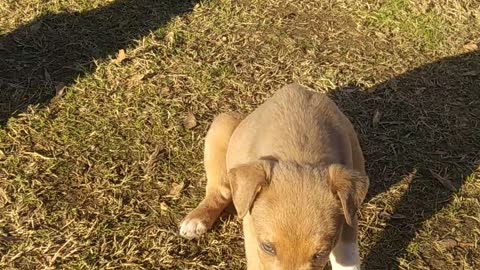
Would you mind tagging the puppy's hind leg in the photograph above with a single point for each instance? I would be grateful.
(218, 195)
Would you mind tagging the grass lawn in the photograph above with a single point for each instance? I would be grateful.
(104, 105)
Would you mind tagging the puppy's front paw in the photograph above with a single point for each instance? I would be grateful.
(192, 228)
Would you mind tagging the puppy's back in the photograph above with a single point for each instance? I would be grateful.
(295, 124)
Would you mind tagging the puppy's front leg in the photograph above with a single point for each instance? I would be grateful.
(218, 195)
(345, 255)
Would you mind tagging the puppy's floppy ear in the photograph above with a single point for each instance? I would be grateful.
(246, 181)
(350, 187)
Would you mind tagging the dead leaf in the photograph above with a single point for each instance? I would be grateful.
(170, 38)
(471, 46)
(190, 121)
(176, 190)
(164, 207)
(350, 90)
(36, 26)
(11, 239)
(444, 181)
(137, 78)
(385, 215)
(380, 35)
(399, 216)
(59, 89)
(448, 243)
(153, 157)
(165, 91)
(376, 118)
(48, 78)
(471, 73)
(2, 155)
(120, 56)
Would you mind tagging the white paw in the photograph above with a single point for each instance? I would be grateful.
(192, 228)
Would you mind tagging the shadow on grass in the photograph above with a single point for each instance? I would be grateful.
(54, 49)
(429, 127)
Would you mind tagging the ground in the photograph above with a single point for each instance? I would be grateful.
(104, 105)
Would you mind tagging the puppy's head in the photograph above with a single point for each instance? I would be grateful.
(296, 212)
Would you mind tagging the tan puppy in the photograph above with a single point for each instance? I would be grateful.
(295, 172)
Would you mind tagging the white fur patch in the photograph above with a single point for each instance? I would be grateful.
(345, 257)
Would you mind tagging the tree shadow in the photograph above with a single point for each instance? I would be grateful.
(428, 127)
(53, 50)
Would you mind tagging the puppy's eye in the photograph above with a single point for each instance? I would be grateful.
(320, 255)
(268, 248)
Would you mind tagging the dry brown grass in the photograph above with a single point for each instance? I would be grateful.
(97, 167)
